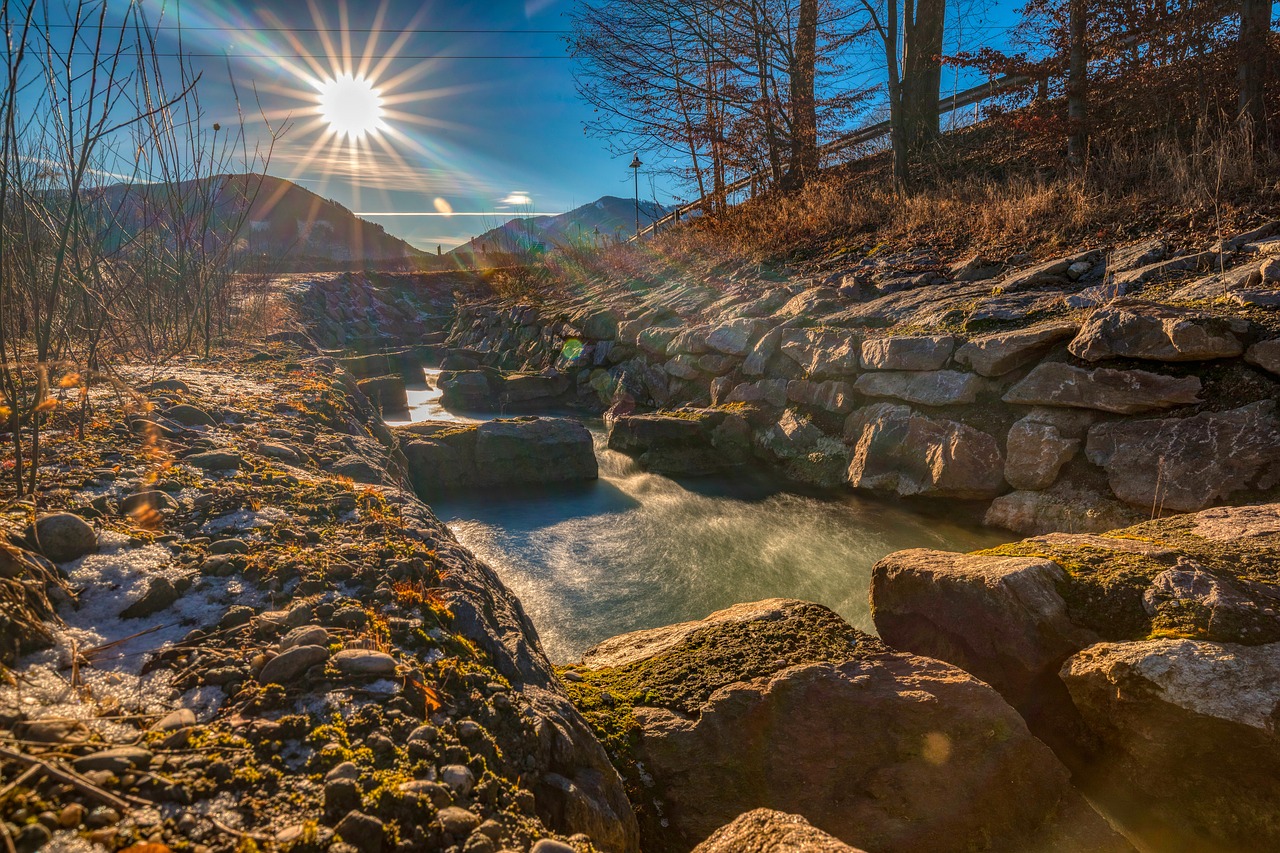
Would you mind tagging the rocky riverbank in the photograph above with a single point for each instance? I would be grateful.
(264, 638)
(1078, 393)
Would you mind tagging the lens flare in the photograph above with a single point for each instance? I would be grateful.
(351, 106)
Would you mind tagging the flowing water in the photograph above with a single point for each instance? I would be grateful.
(637, 550)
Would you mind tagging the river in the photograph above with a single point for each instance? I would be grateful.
(637, 550)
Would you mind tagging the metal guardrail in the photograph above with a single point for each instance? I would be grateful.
(861, 136)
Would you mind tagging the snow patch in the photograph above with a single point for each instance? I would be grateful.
(108, 582)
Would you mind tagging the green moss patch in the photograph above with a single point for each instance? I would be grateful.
(1104, 588)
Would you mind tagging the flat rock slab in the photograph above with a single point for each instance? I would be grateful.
(922, 352)
(924, 388)
(1127, 328)
(1190, 463)
(1123, 392)
(1002, 352)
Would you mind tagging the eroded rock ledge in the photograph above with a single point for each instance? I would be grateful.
(1149, 657)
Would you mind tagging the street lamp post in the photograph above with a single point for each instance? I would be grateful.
(635, 169)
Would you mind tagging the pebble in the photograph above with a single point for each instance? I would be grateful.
(307, 635)
(550, 845)
(341, 796)
(434, 791)
(64, 536)
(71, 816)
(229, 546)
(457, 822)
(174, 720)
(364, 662)
(458, 777)
(289, 665)
(363, 832)
(160, 595)
(102, 816)
(189, 415)
(469, 729)
(142, 504)
(32, 837)
(216, 460)
(117, 761)
(345, 770)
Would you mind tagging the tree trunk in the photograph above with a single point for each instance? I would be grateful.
(1255, 26)
(922, 70)
(897, 130)
(804, 123)
(1078, 83)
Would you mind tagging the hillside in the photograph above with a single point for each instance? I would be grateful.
(604, 219)
(287, 223)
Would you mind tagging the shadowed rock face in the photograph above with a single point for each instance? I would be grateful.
(1187, 464)
(782, 704)
(897, 450)
(1123, 392)
(1189, 726)
(1178, 736)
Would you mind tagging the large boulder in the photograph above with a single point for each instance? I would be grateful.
(1265, 354)
(688, 442)
(404, 361)
(534, 450)
(522, 390)
(1189, 728)
(465, 390)
(898, 450)
(1122, 392)
(1127, 328)
(521, 451)
(924, 388)
(1001, 618)
(1010, 615)
(832, 396)
(1001, 352)
(769, 831)
(781, 704)
(734, 337)
(386, 392)
(920, 352)
(1187, 464)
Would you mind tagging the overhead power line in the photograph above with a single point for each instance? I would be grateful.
(339, 30)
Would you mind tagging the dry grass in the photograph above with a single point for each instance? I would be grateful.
(971, 200)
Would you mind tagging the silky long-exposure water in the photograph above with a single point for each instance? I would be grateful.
(638, 550)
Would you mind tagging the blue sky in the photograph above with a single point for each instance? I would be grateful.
(498, 134)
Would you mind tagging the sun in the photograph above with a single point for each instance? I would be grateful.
(351, 106)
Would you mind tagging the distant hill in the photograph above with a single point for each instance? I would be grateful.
(294, 227)
(607, 218)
